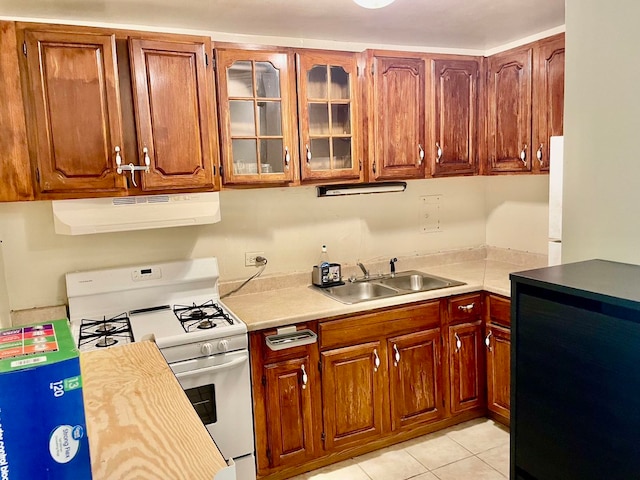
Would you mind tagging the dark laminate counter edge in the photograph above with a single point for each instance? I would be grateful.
(617, 283)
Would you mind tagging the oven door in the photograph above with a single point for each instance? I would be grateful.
(219, 389)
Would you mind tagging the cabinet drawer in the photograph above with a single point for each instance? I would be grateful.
(499, 310)
(362, 328)
(465, 308)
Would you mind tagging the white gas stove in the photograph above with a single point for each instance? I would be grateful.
(176, 305)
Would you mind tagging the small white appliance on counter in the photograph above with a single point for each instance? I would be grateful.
(177, 304)
(556, 160)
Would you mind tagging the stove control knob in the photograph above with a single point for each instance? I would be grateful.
(223, 346)
(206, 349)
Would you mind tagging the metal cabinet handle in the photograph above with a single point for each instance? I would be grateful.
(147, 160)
(304, 377)
(458, 342)
(523, 155)
(118, 158)
(438, 153)
(539, 155)
(308, 154)
(287, 157)
(467, 308)
(487, 340)
(420, 154)
(397, 355)
(376, 360)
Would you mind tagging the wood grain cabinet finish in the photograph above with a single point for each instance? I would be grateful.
(498, 350)
(286, 402)
(509, 111)
(15, 172)
(415, 379)
(329, 107)
(173, 114)
(256, 90)
(455, 108)
(466, 366)
(548, 96)
(398, 118)
(75, 111)
(498, 344)
(289, 411)
(353, 384)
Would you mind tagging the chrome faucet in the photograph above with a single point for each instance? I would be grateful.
(364, 270)
(392, 264)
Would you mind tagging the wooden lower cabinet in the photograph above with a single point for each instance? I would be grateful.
(498, 343)
(415, 378)
(370, 381)
(353, 382)
(466, 366)
(498, 349)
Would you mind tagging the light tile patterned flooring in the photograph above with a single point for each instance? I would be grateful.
(474, 450)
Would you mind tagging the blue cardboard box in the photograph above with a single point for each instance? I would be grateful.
(43, 433)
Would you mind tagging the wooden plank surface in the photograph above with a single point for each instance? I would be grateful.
(140, 423)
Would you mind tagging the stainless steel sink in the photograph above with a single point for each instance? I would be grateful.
(359, 292)
(415, 281)
(401, 283)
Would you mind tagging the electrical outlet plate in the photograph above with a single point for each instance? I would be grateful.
(250, 258)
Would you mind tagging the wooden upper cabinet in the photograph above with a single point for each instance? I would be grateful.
(171, 92)
(509, 111)
(15, 172)
(548, 100)
(353, 383)
(257, 116)
(398, 118)
(75, 105)
(455, 122)
(328, 102)
(415, 379)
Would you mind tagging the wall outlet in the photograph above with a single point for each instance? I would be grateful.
(250, 258)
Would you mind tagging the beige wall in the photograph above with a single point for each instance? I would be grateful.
(288, 225)
(602, 127)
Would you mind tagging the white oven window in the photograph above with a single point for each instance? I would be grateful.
(203, 400)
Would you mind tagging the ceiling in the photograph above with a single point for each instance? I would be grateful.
(457, 24)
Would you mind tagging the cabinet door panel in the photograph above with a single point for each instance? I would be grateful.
(15, 172)
(171, 94)
(329, 116)
(76, 105)
(352, 393)
(399, 118)
(415, 378)
(499, 370)
(456, 117)
(289, 413)
(549, 95)
(509, 128)
(466, 364)
(258, 133)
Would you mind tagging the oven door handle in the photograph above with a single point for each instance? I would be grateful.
(215, 368)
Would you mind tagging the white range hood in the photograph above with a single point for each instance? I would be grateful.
(101, 215)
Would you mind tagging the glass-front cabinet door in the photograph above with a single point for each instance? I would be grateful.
(256, 115)
(330, 147)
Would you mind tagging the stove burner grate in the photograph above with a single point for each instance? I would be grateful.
(202, 317)
(105, 332)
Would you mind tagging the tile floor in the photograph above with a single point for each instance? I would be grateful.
(474, 450)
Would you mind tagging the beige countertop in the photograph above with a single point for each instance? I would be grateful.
(294, 304)
(138, 415)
